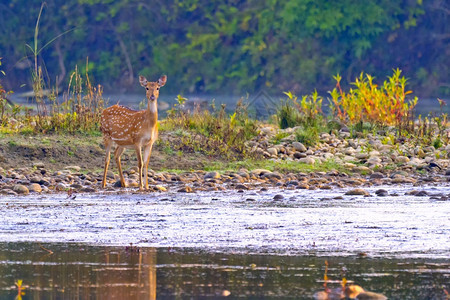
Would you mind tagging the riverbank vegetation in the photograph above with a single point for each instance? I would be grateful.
(215, 138)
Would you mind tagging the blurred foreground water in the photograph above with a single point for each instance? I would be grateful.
(79, 271)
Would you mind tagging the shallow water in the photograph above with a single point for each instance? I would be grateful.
(205, 244)
(304, 222)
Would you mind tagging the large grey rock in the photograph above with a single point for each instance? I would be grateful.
(299, 147)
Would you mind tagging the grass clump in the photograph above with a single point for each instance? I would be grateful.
(305, 112)
(213, 132)
(309, 136)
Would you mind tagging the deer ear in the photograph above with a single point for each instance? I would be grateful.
(162, 80)
(143, 81)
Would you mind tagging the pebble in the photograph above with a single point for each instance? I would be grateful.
(278, 197)
(35, 188)
(357, 192)
(21, 189)
(381, 193)
(186, 189)
(212, 175)
(307, 160)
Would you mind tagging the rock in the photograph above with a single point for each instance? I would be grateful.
(447, 173)
(132, 183)
(292, 182)
(241, 187)
(267, 130)
(35, 188)
(73, 168)
(374, 161)
(299, 147)
(289, 138)
(402, 179)
(363, 170)
(278, 197)
(416, 162)
(212, 175)
(357, 192)
(118, 184)
(370, 296)
(160, 188)
(429, 149)
(307, 160)
(186, 189)
(299, 155)
(88, 190)
(259, 172)
(344, 134)
(272, 151)
(362, 155)
(401, 159)
(381, 193)
(421, 194)
(420, 153)
(434, 165)
(21, 189)
(61, 187)
(376, 175)
(303, 186)
(7, 191)
(36, 179)
(76, 186)
(38, 165)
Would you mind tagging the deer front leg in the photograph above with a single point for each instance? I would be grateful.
(108, 144)
(147, 153)
(140, 165)
(117, 154)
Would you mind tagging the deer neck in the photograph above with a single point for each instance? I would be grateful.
(152, 110)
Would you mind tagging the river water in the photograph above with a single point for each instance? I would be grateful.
(206, 245)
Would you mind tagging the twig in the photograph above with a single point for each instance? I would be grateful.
(43, 248)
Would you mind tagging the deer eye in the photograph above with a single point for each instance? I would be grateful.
(146, 88)
(157, 89)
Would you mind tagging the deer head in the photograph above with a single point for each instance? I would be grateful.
(152, 88)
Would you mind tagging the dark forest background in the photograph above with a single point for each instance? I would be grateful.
(229, 47)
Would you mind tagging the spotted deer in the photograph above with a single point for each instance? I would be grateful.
(129, 128)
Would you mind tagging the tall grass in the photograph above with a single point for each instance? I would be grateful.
(80, 108)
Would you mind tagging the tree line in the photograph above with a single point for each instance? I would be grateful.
(229, 46)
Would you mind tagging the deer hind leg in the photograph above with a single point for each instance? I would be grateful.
(147, 153)
(108, 144)
(117, 154)
(140, 165)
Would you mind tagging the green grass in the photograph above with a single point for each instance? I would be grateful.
(284, 166)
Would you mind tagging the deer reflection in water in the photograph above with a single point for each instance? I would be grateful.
(108, 274)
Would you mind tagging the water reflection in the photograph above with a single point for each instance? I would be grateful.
(77, 272)
(88, 272)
